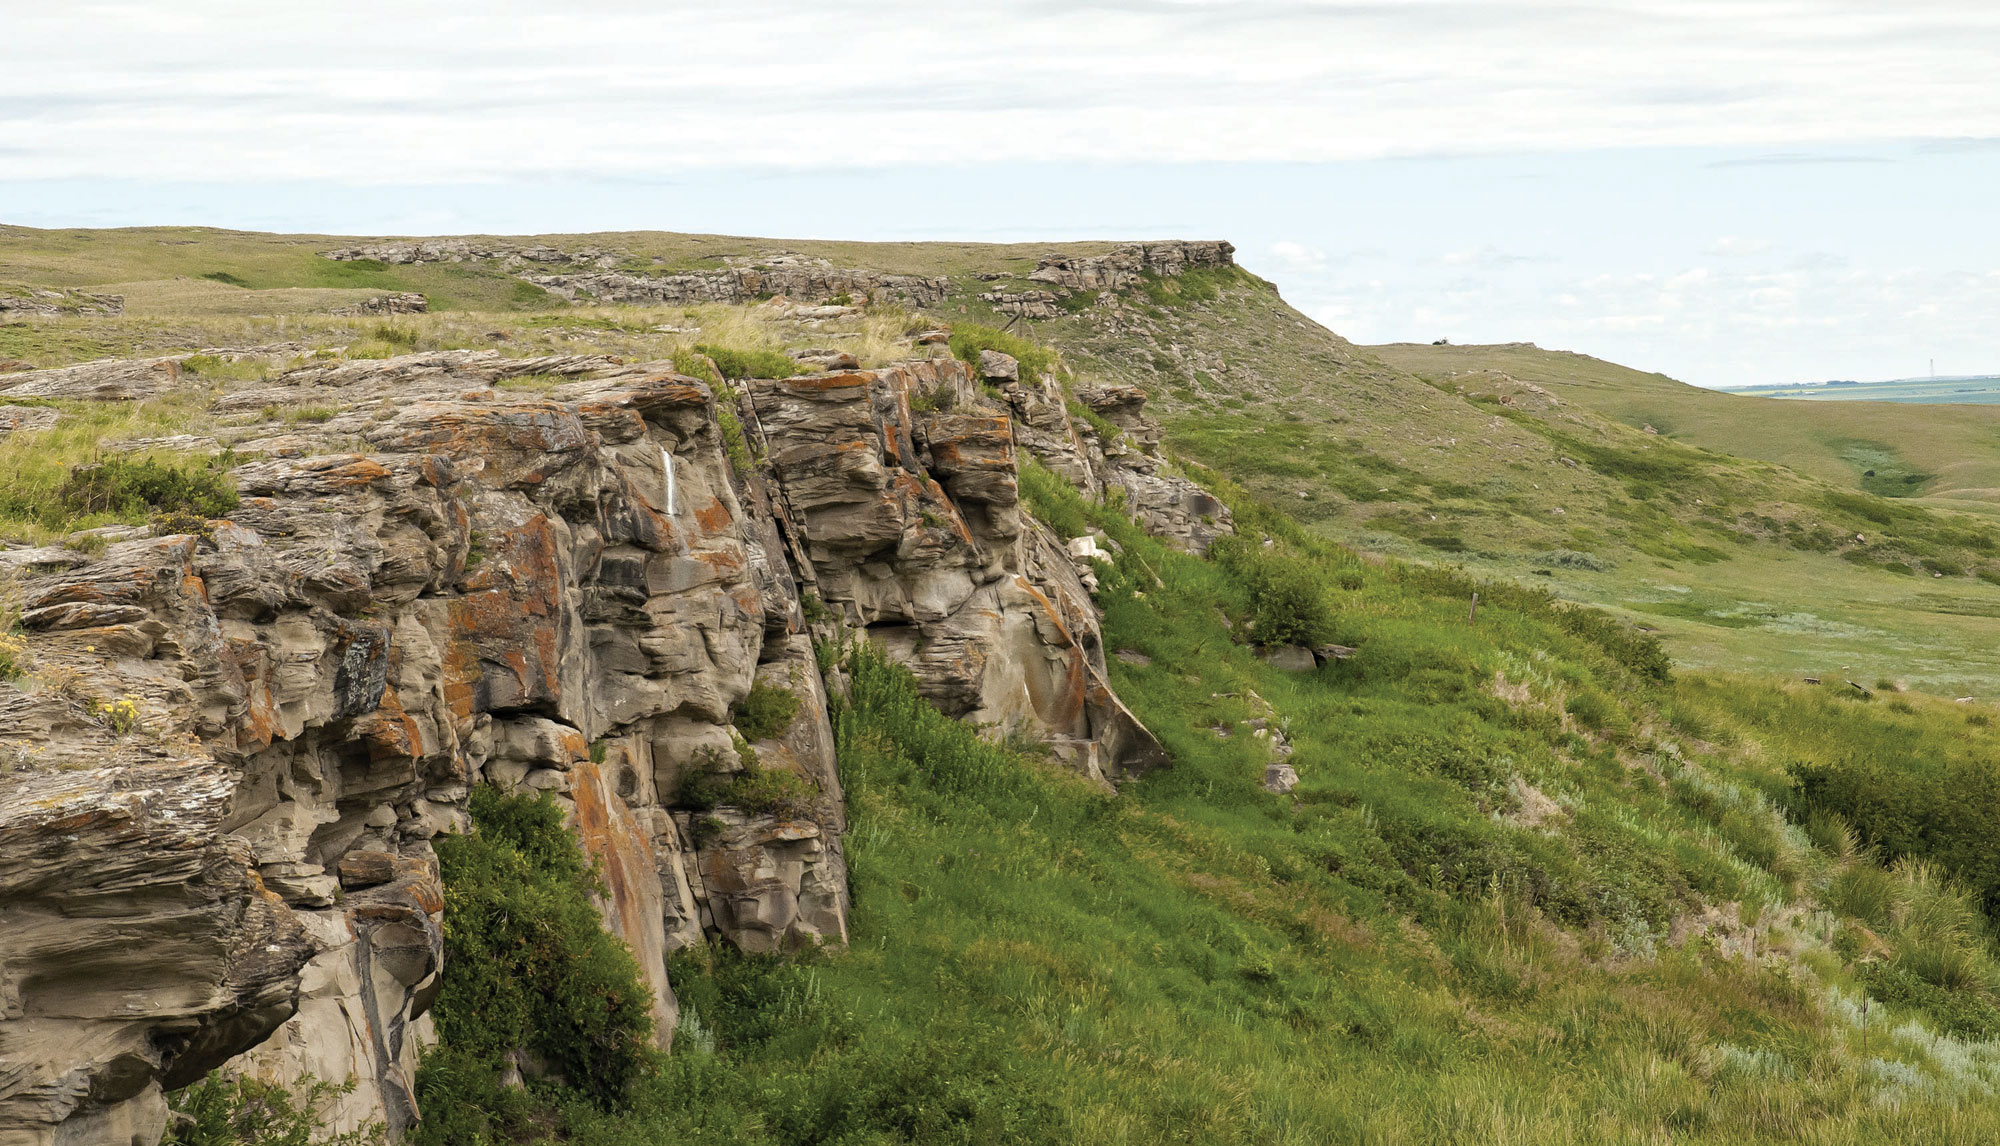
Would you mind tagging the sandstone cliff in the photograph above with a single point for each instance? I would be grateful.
(224, 770)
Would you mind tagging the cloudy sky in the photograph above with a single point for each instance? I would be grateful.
(1731, 191)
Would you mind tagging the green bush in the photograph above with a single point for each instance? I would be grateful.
(1638, 652)
(123, 487)
(765, 711)
(527, 968)
(1288, 598)
(1196, 284)
(220, 1111)
(1917, 806)
(739, 364)
(750, 787)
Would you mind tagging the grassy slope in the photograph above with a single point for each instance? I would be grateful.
(1479, 919)
(1435, 468)
(1959, 445)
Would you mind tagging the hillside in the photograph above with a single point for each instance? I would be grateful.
(771, 716)
(1921, 452)
(1518, 462)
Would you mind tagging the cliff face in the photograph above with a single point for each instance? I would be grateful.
(224, 771)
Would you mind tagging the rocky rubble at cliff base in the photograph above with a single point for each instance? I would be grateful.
(239, 745)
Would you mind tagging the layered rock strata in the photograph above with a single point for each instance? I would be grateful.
(1130, 263)
(802, 280)
(225, 768)
(58, 302)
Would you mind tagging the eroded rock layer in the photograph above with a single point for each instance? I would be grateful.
(224, 774)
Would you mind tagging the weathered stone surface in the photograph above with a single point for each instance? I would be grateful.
(1024, 304)
(141, 948)
(1280, 777)
(257, 733)
(912, 525)
(14, 418)
(111, 380)
(58, 302)
(791, 276)
(1131, 262)
(770, 884)
(997, 367)
(401, 302)
(1291, 658)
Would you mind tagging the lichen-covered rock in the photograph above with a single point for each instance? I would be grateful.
(800, 279)
(112, 380)
(14, 418)
(1129, 263)
(224, 774)
(913, 527)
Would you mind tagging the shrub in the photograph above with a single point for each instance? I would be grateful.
(739, 364)
(1196, 284)
(1638, 652)
(221, 1111)
(14, 660)
(528, 967)
(527, 296)
(1288, 601)
(124, 487)
(1594, 711)
(752, 788)
(765, 711)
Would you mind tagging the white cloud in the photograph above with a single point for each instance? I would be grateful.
(424, 90)
(1488, 257)
(1736, 247)
(1299, 257)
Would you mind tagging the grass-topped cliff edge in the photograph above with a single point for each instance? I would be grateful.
(1551, 874)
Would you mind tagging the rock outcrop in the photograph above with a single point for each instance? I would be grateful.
(594, 276)
(21, 300)
(111, 380)
(14, 418)
(1130, 263)
(401, 302)
(226, 766)
(793, 278)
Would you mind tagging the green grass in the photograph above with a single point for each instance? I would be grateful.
(737, 365)
(62, 479)
(1461, 926)
(1802, 572)
(1536, 884)
(1957, 446)
(968, 339)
